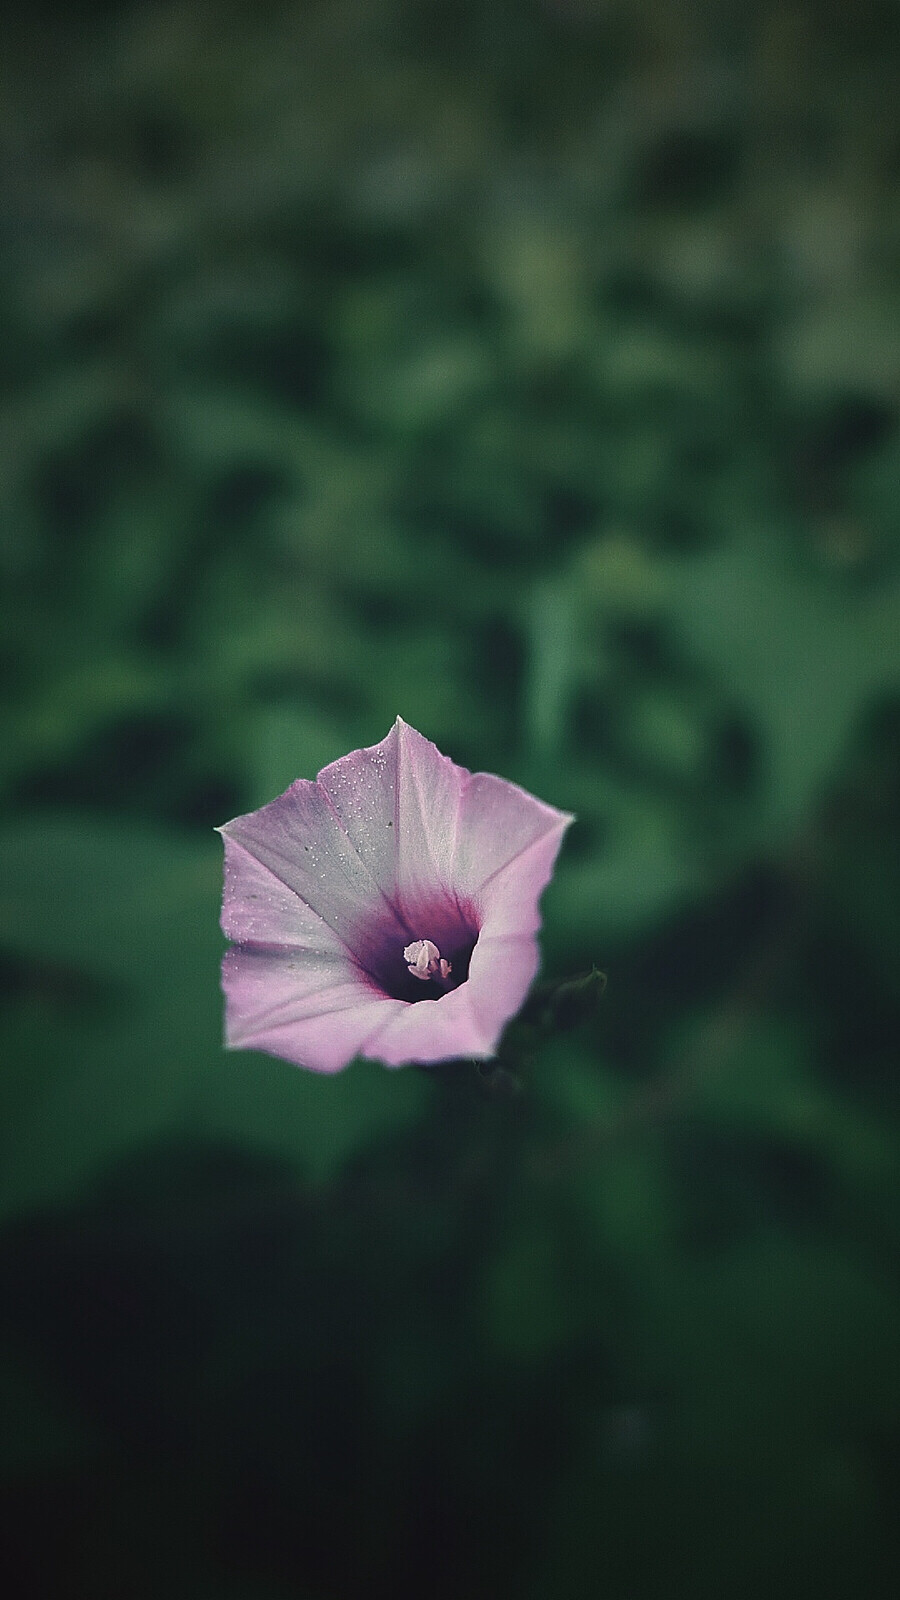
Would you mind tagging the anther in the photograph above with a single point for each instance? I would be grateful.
(424, 961)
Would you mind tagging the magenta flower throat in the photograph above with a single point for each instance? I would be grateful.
(389, 909)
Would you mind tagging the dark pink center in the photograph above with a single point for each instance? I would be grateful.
(429, 961)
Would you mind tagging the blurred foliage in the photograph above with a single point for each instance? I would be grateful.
(533, 371)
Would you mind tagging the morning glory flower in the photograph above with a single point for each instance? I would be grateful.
(389, 909)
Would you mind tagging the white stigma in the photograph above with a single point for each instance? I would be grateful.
(424, 960)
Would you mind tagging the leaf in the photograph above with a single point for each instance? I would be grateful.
(116, 1038)
(799, 654)
(125, 898)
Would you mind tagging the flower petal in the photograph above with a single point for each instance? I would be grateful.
(361, 789)
(433, 1030)
(301, 842)
(508, 902)
(498, 826)
(430, 788)
(315, 1011)
(399, 803)
(500, 974)
(258, 908)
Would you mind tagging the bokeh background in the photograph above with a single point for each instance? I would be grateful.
(531, 369)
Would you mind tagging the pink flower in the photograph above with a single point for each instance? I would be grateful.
(390, 909)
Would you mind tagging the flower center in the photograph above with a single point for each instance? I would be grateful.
(424, 961)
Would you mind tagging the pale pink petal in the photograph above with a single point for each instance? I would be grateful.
(502, 971)
(430, 789)
(362, 791)
(399, 802)
(498, 823)
(508, 901)
(316, 1011)
(433, 1030)
(301, 842)
(257, 908)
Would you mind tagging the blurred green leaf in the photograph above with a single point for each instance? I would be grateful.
(800, 656)
(124, 1042)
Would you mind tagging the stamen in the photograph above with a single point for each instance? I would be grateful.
(424, 960)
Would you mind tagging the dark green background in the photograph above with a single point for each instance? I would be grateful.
(531, 370)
